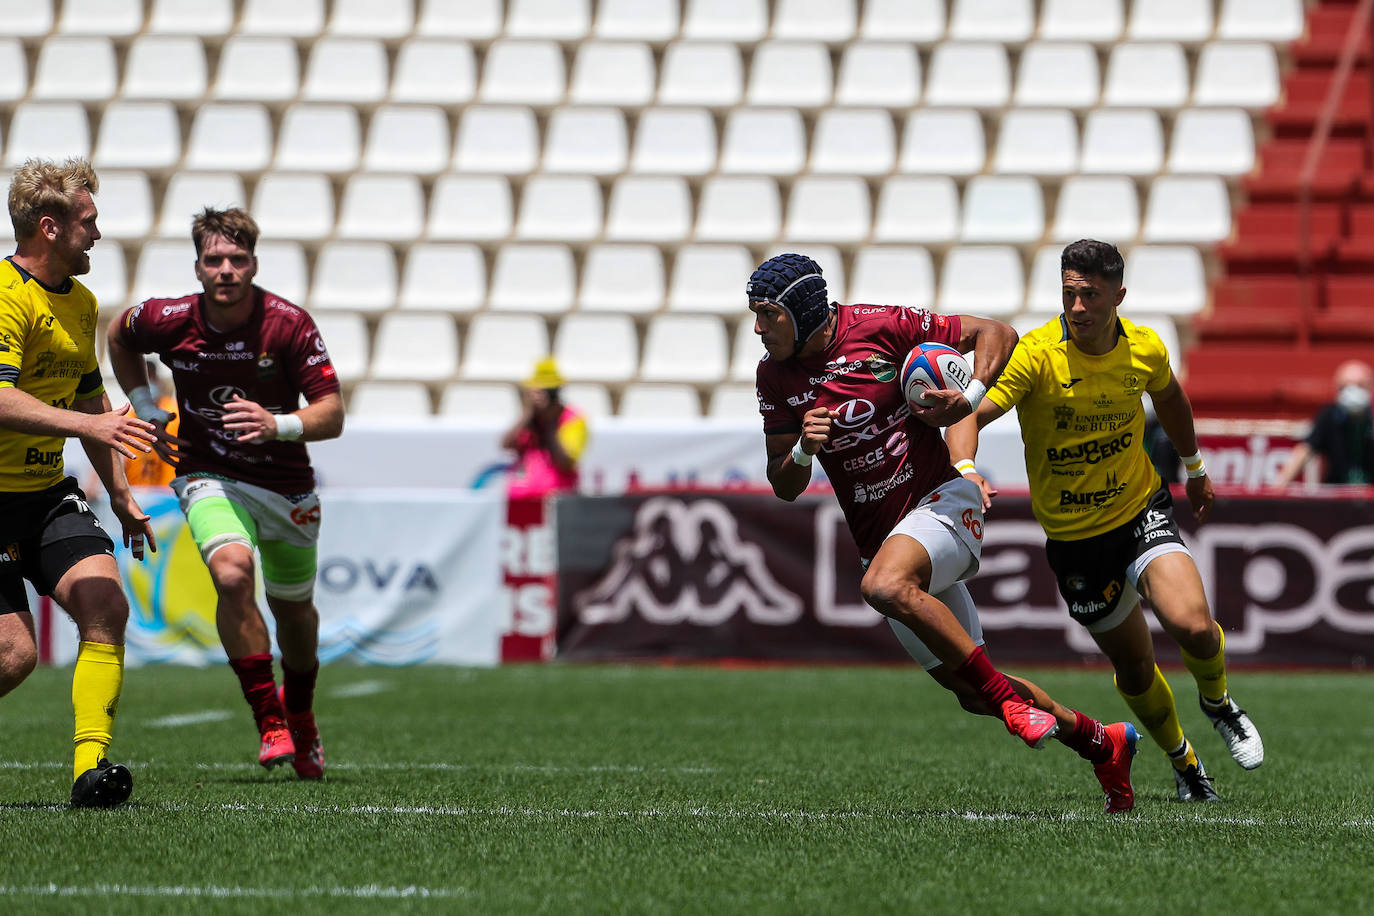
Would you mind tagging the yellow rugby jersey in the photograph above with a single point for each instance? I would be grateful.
(47, 349)
(1082, 424)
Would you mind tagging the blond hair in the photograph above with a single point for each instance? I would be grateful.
(233, 224)
(42, 188)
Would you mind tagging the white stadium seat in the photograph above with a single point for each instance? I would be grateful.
(321, 138)
(659, 403)
(190, 192)
(831, 21)
(685, 348)
(854, 141)
(108, 279)
(1122, 141)
(982, 280)
(407, 138)
(1099, 21)
(347, 339)
(734, 402)
(709, 278)
(299, 19)
(597, 348)
(386, 207)
(1010, 21)
(564, 20)
(590, 141)
(622, 278)
(745, 350)
(166, 269)
(140, 135)
(828, 209)
(1278, 21)
(257, 69)
(497, 401)
(701, 73)
(793, 73)
(533, 278)
(1218, 141)
(294, 205)
(282, 268)
(101, 17)
(1037, 141)
(354, 276)
(921, 21)
(1169, 20)
(1187, 208)
(649, 208)
(1166, 279)
(1043, 293)
(763, 141)
(943, 142)
(443, 277)
(885, 73)
(674, 141)
(1244, 74)
(969, 74)
(234, 136)
(477, 20)
(125, 203)
(559, 208)
(893, 275)
(415, 346)
(503, 139)
(917, 208)
(48, 130)
(503, 347)
(737, 208)
(435, 72)
(476, 207)
(353, 70)
(637, 20)
(1003, 208)
(612, 73)
(55, 78)
(1147, 75)
(405, 401)
(168, 67)
(371, 18)
(522, 73)
(1058, 74)
(591, 399)
(28, 18)
(14, 70)
(1097, 207)
(725, 20)
(208, 18)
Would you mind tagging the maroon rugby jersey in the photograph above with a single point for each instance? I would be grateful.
(272, 359)
(880, 459)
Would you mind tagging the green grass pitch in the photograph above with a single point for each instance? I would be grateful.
(647, 789)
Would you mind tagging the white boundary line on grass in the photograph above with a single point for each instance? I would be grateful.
(190, 718)
(367, 891)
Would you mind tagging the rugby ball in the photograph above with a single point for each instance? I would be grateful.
(933, 366)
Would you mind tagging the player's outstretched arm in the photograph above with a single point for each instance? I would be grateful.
(136, 524)
(1175, 413)
(790, 457)
(962, 441)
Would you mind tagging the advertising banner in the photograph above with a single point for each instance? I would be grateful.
(749, 576)
(527, 567)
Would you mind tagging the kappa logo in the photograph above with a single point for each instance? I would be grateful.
(684, 562)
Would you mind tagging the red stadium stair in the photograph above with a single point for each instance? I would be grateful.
(1297, 294)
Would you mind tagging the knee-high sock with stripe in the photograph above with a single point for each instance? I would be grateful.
(1157, 713)
(96, 685)
(1210, 673)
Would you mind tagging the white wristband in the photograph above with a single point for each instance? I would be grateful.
(965, 466)
(145, 405)
(289, 427)
(1193, 466)
(1200, 470)
(800, 458)
(974, 393)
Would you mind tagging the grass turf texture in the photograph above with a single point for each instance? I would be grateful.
(678, 790)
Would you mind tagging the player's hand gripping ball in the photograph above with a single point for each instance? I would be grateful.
(933, 366)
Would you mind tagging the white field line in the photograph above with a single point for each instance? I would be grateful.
(190, 718)
(249, 767)
(367, 891)
(360, 689)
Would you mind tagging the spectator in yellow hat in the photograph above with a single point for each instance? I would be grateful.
(548, 439)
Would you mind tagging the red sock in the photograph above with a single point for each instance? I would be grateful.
(991, 684)
(1088, 739)
(299, 688)
(259, 687)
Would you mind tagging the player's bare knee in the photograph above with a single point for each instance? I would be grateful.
(887, 593)
(234, 579)
(17, 661)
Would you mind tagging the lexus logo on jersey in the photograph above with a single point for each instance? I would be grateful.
(855, 412)
(223, 394)
(684, 562)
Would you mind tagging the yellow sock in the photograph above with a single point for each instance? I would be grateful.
(1210, 673)
(1157, 713)
(96, 684)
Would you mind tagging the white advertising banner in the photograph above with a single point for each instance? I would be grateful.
(405, 577)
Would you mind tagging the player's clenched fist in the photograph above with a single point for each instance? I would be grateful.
(816, 429)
